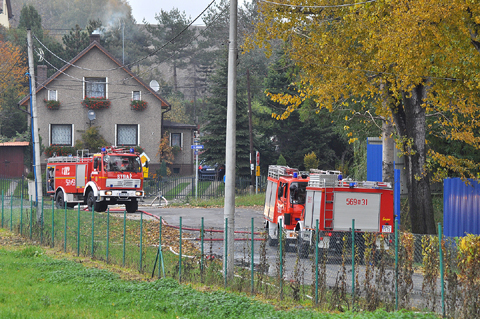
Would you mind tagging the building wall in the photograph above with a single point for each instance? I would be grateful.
(4, 14)
(70, 93)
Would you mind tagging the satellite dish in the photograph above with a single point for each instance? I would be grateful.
(40, 54)
(91, 115)
(154, 85)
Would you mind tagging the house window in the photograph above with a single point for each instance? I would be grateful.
(96, 87)
(52, 95)
(176, 139)
(136, 96)
(127, 134)
(61, 134)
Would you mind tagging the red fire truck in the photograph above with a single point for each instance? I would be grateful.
(113, 176)
(300, 199)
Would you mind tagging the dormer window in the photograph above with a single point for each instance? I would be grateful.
(96, 87)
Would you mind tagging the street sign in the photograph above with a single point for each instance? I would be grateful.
(258, 171)
(258, 158)
(197, 147)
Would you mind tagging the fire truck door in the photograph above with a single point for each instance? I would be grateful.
(270, 196)
(80, 175)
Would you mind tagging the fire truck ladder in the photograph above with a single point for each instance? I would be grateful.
(328, 204)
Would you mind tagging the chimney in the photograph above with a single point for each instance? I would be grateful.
(41, 74)
(95, 37)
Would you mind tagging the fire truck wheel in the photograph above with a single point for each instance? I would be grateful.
(59, 200)
(303, 248)
(91, 201)
(101, 206)
(272, 242)
(132, 206)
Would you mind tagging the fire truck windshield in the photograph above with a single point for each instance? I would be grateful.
(122, 163)
(298, 191)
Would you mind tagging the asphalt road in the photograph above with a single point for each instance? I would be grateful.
(212, 217)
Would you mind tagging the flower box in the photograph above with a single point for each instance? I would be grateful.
(138, 105)
(95, 103)
(52, 104)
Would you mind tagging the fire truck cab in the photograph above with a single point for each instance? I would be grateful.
(111, 177)
(284, 203)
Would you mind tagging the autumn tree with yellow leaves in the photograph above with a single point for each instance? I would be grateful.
(12, 74)
(418, 62)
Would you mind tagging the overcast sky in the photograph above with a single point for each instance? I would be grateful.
(147, 8)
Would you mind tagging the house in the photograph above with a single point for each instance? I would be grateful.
(6, 13)
(12, 159)
(95, 89)
(181, 139)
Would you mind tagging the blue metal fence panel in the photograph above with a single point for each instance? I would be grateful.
(374, 161)
(461, 207)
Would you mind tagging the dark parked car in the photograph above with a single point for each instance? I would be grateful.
(211, 173)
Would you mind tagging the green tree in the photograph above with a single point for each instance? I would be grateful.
(281, 161)
(78, 39)
(171, 40)
(310, 161)
(92, 140)
(302, 132)
(214, 131)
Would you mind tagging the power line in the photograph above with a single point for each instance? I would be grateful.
(317, 7)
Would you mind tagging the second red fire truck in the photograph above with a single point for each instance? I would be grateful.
(298, 199)
(113, 176)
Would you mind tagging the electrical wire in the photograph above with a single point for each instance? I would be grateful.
(317, 7)
(137, 61)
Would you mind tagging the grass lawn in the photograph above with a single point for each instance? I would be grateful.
(40, 283)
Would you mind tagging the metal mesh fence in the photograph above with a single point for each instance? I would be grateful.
(334, 271)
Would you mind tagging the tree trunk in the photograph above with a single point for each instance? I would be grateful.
(410, 123)
(388, 152)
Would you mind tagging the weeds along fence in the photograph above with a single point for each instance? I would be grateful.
(357, 271)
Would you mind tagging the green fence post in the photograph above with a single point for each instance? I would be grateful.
(108, 230)
(201, 251)
(124, 234)
(21, 212)
(396, 264)
(53, 223)
(78, 231)
(93, 227)
(160, 257)
(225, 259)
(353, 264)
(280, 242)
(31, 217)
(442, 283)
(141, 239)
(180, 253)
(11, 212)
(2, 205)
(316, 262)
(41, 224)
(65, 230)
(251, 263)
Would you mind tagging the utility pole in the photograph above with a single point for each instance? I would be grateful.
(36, 146)
(250, 131)
(229, 210)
